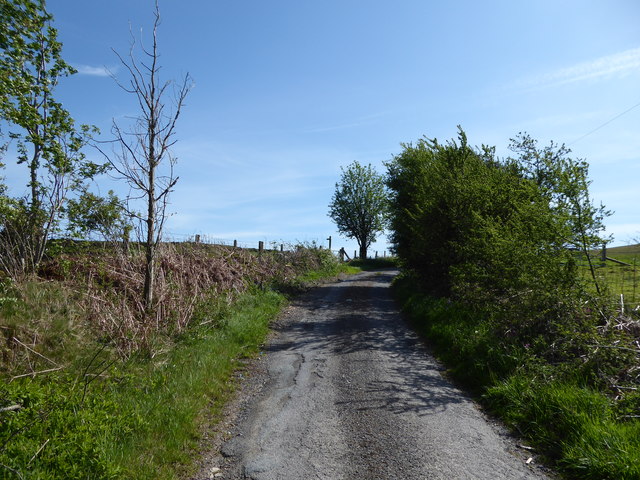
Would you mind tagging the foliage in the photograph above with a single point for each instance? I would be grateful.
(47, 141)
(140, 421)
(65, 433)
(497, 236)
(359, 203)
(574, 426)
(565, 183)
(492, 252)
(89, 213)
(473, 226)
(321, 264)
(557, 406)
(110, 282)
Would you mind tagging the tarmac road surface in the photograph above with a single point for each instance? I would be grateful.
(348, 391)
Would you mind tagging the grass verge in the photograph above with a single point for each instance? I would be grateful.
(328, 269)
(374, 263)
(141, 419)
(576, 427)
(195, 376)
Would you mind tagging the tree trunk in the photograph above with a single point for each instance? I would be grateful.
(150, 251)
(363, 252)
(585, 247)
(149, 275)
(150, 247)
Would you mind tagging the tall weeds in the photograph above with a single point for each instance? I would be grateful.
(109, 286)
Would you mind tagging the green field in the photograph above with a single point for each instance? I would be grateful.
(615, 278)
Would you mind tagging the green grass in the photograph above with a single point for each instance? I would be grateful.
(614, 278)
(328, 270)
(374, 263)
(195, 376)
(621, 280)
(615, 252)
(44, 313)
(577, 428)
(143, 420)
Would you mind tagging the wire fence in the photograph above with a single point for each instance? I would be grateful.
(131, 238)
(275, 245)
(280, 244)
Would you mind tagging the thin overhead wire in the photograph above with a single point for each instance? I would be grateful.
(605, 123)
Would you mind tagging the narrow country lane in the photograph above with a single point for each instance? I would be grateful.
(349, 392)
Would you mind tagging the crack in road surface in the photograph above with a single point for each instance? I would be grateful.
(349, 392)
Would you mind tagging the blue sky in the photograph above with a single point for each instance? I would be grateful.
(287, 92)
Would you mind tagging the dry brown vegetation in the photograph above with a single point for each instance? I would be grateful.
(95, 292)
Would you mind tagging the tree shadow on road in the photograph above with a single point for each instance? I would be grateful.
(383, 365)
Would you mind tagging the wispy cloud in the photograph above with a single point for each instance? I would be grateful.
(616, 64)
(95, 71)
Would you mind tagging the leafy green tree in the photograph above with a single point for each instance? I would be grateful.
(469, 223)
(90, 213)
(564, 181)
(497, 236)
(47, 140)
(359, 205)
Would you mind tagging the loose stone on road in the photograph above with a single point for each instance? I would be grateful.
(349, 392)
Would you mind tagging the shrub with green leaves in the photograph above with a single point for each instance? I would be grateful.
(491, 251)
(472, 226)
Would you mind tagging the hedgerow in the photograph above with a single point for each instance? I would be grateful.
(491, 252)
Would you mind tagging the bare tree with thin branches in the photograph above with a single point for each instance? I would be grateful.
(141, 155)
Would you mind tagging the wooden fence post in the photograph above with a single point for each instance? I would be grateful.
(235, 244)
(260, 247)
(197, 238)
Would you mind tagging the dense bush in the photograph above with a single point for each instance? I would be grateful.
(489, 249)
(471, 224)
(494, 235)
